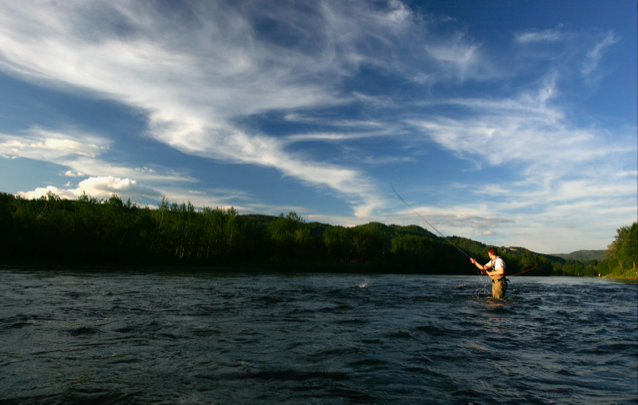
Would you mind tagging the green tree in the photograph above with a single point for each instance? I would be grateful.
(628, 251)
(290, 237)
(623, 249)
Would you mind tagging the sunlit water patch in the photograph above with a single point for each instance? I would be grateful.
(171, 337)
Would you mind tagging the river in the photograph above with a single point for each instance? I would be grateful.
(170, 337)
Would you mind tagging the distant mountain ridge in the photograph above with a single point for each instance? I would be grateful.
(469, 245)
(582, 255)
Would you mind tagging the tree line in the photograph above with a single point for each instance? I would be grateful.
(620, 258)
(110, 232)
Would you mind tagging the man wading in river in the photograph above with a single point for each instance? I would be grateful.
(499, 283)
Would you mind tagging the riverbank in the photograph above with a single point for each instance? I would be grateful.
(631, 274)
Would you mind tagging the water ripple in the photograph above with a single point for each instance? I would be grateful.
(115, 337)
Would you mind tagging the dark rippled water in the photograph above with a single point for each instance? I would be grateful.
(191, 338)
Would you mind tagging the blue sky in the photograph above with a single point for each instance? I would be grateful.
(512, 123)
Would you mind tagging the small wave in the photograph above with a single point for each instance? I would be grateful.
(467, 393)
(400, 335)
(433, 330)
(424, 371)
(269, 300)
(293, 375)
(352, 394)
(18, 325)
(367, 362)
(353, 321)
(76, 295)
(83, 331)
(501, 310)
(130, 360)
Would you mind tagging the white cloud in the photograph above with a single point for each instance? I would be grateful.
(570, 51)
(98, 187)
(527, 129)
(456, 55)
(79, 151)
(103, 187)
(45, 145)
(596, 53)
(549, 35)
(43, 191)
(144, 170)
(553, 171)
(70, 173)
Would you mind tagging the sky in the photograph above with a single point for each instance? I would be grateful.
(512, 123)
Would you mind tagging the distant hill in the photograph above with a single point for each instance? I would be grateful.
(389, 232)
(468, 245)
(392, 231)
(582, 255)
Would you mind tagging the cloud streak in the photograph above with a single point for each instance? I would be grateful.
(195, 84)
(526, 129)
(596, 53)
(549, 35)
(46, 145)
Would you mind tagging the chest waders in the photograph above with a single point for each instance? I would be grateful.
(499, 283)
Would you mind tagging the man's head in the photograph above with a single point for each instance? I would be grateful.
(491, 251)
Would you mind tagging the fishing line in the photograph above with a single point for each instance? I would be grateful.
(486, 282)
(437, 231)
(424, 220)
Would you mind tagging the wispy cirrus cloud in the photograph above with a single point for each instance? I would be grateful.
(565, 173)
(524, 129)
(197, 72)
(41, 144)
(596, 53)
(549, 35)
(80, 151)
(580, 51)
(458, 56)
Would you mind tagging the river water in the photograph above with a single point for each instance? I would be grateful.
(253, 338)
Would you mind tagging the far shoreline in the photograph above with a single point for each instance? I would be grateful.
(285, 268)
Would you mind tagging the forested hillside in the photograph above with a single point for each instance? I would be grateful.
(619, 258)
(53, 231)
(583, 255)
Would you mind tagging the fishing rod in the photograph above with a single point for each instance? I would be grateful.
(424, 220)
(444, 237)
(432, 226)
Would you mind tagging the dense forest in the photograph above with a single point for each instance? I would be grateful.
(92, 232)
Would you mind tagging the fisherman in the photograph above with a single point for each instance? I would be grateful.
(499, 282)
